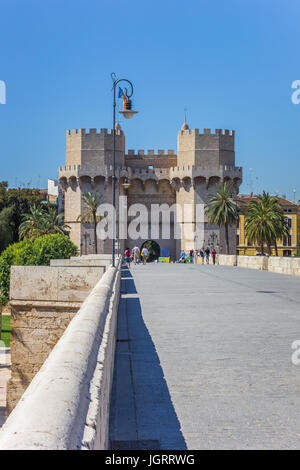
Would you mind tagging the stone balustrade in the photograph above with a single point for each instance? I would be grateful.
(284, 265)
(275, 264)
(226, 260)
(253, 262)
(66, 406)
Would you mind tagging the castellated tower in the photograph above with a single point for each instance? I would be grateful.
(203, 160)
(88, 168)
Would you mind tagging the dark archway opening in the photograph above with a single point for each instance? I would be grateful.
(153, 248)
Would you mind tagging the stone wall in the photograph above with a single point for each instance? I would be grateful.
(66, 406)
(43, 301)
(253, 262)
(83, 261)
(284, 265)
(275, 264)
(226, 260)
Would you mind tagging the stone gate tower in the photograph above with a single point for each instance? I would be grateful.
(203, 160)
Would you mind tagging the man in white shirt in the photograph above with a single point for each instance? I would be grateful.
(136, 254)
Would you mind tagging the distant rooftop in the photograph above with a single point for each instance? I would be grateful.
(244, 199)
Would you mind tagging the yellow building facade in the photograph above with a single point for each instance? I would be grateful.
(286, 247)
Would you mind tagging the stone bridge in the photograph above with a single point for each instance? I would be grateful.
(170, 357)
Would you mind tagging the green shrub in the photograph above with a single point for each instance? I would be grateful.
(54, 246)
(28, 253)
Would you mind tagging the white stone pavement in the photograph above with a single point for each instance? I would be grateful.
(203, 359)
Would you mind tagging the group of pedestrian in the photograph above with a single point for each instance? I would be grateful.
(204, 254)
(135, 255)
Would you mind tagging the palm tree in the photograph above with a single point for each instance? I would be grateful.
(33, 223)
(281, 227)
(91, 217)
(54, 222)
(222, 209)
(42, 222)
(265, 221)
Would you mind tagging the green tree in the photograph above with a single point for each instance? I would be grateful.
(6, 229)
(33, 224)
(222, 209)
(54, 222)
(42, 221)
(20, 200)
(281, 228)
(3, 194)
(33, 253)
(265, 221)
(90, 215)
(53, 246)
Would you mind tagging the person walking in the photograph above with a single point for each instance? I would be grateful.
(182, 257)
(145, 254)
(127, 257)
(207, 253)
(213, 255)
(136, 254)
(201, 253)
(191, 256)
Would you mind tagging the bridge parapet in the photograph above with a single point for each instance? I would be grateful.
(276, 264)
(66, 406)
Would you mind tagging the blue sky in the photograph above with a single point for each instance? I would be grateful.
(231, 64)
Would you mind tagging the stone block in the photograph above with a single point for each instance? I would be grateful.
(53, 283)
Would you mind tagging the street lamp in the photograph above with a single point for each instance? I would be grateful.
(86, 237)
(128, 113)
(212, 239)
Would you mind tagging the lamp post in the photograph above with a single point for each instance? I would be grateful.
(212, 238)
(128, 113)
(86, 237)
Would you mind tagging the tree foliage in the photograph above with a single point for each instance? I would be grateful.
(19, 201)
(6, 227)
(222, 209)
(265, 221)
(32, 253)
(90, 216)
(42, 221)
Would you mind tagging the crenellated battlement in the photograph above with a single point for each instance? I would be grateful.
(205, 168)
(150, 153)
(217, 132)
(93, 131)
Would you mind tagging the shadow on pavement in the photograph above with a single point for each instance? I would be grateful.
(142, 414)
(128, 284)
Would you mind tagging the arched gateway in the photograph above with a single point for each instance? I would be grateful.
(153, 248)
